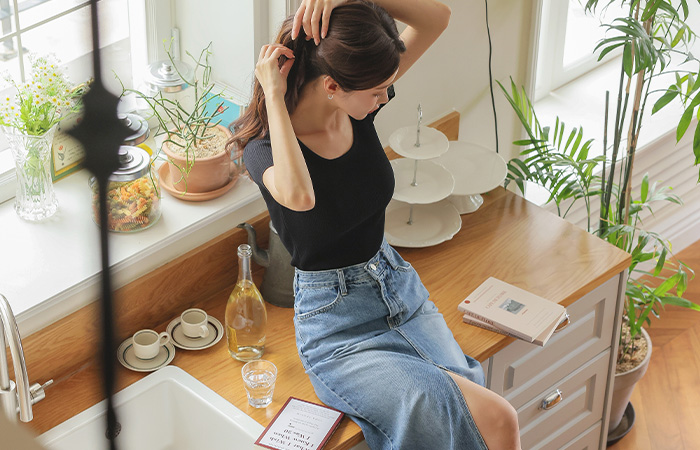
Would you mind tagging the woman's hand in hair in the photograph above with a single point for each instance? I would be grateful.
(314, 16)
(273, 66)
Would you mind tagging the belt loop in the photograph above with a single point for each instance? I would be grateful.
(341, 282)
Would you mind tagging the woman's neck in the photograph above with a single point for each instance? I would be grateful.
(315, 113)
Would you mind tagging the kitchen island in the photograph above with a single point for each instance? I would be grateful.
(508, 238)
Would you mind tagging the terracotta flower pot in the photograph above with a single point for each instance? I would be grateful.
(624, 385)
(207, 174)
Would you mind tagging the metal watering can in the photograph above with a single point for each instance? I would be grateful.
(278, 279)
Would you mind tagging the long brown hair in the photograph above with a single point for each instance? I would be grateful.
(360, 51)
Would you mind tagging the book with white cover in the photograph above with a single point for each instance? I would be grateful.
(539, 340)
(512, 309)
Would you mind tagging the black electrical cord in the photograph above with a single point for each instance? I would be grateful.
(493, 100)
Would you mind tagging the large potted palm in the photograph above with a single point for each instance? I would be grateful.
(557, 159)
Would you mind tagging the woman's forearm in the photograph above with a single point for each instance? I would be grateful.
(425, 16)
(292, 182)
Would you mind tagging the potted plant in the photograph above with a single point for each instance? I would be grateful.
(558, 160)
(28, 120)
(195, 144)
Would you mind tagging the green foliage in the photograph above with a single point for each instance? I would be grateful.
(559, 163)
(186, 127)
(46, 98)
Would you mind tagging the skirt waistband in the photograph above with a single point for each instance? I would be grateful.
(385, 258)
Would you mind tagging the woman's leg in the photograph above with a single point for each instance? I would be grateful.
(495, 418)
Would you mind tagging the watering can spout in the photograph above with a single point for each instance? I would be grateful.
(260, 256)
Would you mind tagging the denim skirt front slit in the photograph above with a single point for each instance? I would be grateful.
(377, 349)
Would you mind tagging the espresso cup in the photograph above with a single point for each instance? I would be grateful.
(194, 323)
(147, 343)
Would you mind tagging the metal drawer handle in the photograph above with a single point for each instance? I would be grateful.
(563, 324)
(552, 400)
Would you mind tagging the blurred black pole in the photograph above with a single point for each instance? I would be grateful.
(101, 133)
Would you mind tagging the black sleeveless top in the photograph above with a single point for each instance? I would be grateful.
(346, 224)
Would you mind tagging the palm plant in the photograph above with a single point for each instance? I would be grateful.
(650, 35)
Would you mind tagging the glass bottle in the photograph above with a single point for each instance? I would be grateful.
(246, 317)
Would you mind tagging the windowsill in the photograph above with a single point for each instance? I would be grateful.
(51, 269)
(7, 176)
(582, 103)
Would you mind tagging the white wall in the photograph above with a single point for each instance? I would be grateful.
(452, 75)
(230, 26)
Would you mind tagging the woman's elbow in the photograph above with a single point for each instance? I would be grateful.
(302, 202)
(444, 14)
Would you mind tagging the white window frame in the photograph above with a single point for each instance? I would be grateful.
(145, 27)
(550, 70)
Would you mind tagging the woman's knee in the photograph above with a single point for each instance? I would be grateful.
(495, 418)
(502, 414)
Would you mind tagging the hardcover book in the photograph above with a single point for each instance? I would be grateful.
(300, 425)
(539, 340)
(513, 311)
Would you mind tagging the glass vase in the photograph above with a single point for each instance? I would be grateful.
(35, 199)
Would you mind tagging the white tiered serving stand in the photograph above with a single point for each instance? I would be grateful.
(476, 170)
(419, 214)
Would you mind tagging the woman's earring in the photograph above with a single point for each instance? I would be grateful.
(330, 96)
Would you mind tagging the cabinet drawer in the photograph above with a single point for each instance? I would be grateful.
(583, 396)
(519, 368)
(588, 440)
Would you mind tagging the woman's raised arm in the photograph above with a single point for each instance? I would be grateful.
(426, 20)
(288, 180)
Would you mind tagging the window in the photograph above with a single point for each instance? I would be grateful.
(62, 27)
(568, 36)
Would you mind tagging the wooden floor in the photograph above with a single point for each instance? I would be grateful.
(667, 399)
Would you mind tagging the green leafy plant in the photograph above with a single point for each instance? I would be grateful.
(188, 127)
(558, 160)
(45, 99)
(653, 34)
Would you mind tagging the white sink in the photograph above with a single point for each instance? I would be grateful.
(167, 410)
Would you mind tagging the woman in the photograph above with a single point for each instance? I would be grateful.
(371, 342)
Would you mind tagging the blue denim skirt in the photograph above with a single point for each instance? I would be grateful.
(377, 349)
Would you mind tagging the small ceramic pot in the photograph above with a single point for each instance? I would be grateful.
(207, 174)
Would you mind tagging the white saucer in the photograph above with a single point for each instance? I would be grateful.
(476, 169)
(433, 224)
(178, 338)
(433, 181)
(433, 143)
(126, 356)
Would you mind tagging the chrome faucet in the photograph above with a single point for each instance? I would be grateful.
(18, 393)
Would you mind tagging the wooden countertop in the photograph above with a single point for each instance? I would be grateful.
(508, 238)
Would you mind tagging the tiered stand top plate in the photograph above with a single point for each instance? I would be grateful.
(433, 143)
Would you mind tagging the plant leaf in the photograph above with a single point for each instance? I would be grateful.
(660, 263)
(627, 60)
(645, 187)
(696, 143)
(667, 284)
(665, 99)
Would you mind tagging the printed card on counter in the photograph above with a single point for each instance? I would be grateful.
(300, 425)
(514, 311)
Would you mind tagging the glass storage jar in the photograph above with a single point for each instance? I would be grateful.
(133, 194)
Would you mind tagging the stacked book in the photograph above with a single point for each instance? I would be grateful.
(506, 309)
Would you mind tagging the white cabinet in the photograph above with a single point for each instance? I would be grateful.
(574, 370)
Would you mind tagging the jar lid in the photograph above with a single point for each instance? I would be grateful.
(138, 127)
(134, 163)
(163, 75)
